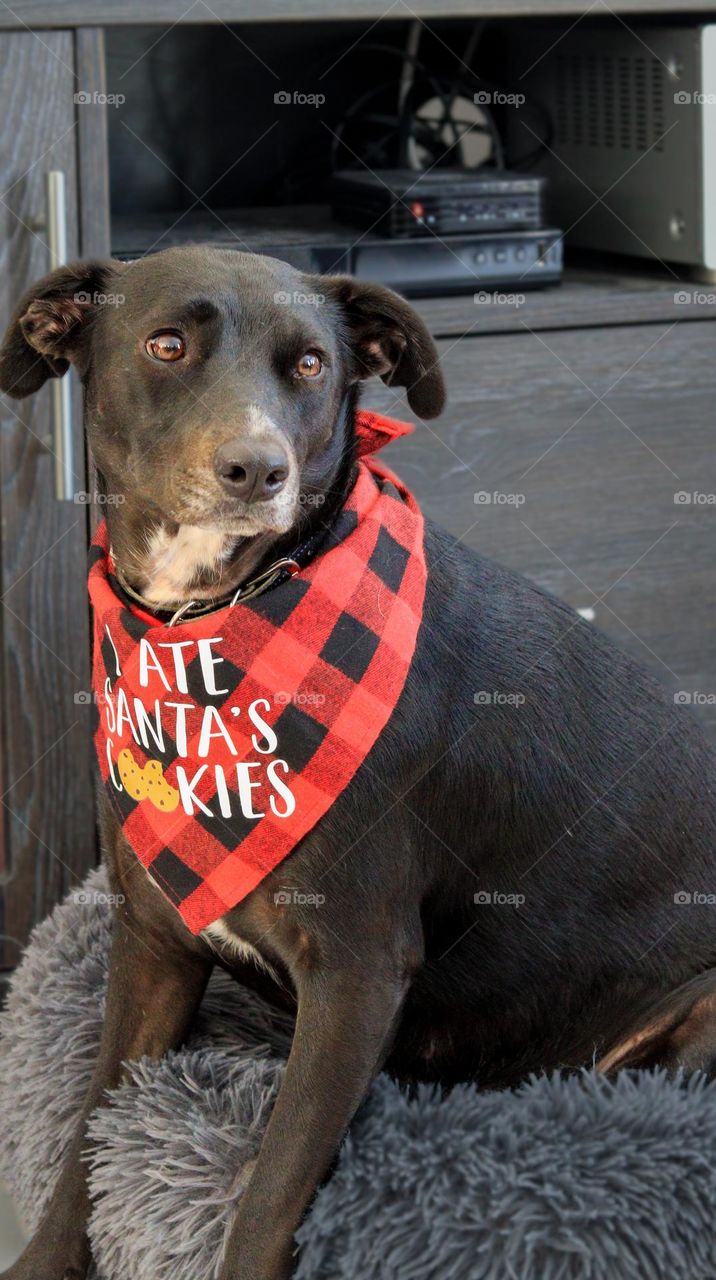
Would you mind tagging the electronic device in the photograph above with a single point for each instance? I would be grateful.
(307, 237)
(514, 260)
(402, 202)
(631, 162)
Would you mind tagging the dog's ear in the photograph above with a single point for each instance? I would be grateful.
(49, 327)
(387, 337)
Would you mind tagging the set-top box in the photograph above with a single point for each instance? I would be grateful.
(401, 203)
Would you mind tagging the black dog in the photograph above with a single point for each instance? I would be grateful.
(220, 390)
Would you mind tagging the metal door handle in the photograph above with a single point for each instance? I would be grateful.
(62, 440)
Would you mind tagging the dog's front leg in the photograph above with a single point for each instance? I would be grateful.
(154, 989)
(346, 1017)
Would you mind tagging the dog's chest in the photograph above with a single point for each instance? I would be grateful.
(230, 946)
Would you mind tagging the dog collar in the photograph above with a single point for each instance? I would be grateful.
(224, 737)
(196, 608)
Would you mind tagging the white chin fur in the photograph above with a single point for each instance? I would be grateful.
(174, 560)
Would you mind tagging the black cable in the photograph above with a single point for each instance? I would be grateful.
(374, 46)
(472, 43)
(446, 96)
(430, 128)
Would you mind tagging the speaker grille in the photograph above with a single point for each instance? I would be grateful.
(610, 100)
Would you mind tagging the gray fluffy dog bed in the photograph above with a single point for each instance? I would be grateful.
(559, 1180)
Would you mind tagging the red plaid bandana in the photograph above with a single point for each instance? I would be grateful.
(224, 739)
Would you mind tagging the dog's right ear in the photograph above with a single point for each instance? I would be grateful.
(49, 327)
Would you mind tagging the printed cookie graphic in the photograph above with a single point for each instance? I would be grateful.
(146, 783)
(132, 775)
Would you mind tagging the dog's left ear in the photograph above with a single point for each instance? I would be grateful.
(49, 326)
(387, 337)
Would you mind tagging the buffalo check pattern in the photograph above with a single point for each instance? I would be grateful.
(211, 800)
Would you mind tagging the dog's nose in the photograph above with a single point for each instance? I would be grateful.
(251, 470)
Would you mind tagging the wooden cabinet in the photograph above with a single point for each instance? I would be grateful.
(47, 835)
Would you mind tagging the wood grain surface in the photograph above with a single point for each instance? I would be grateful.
(71, 13)
(586, 487)
(92, 146)
(47, 812)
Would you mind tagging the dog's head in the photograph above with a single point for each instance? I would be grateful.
(219, 394)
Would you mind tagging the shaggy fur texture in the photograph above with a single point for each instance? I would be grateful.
(562, 1179)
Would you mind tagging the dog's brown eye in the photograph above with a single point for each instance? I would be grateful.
(165, 346)
(309, 366)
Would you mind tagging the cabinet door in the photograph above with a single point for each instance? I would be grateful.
(47, 837)
(592, 452)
